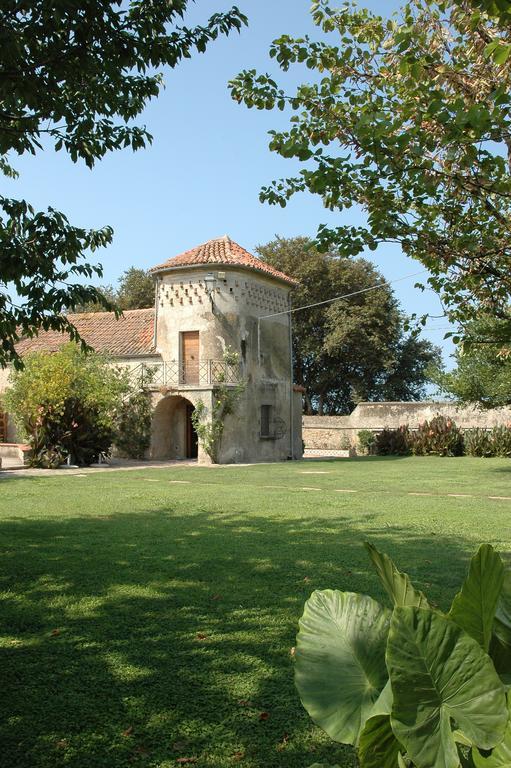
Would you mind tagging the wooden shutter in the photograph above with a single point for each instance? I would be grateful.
(190, 357)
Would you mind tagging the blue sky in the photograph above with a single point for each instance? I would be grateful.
(209, 158)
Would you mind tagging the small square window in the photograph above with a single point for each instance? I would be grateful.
(266, 415)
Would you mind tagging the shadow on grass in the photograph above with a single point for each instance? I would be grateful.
(141, 639)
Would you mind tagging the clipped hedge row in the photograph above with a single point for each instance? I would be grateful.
(441, 437)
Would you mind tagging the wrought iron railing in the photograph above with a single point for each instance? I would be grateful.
(171, 373)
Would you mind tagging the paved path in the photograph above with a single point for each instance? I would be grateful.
(15, 470)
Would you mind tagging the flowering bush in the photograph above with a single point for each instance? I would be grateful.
(438, 437)
(65, 404)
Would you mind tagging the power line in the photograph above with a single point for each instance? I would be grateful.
(344, 296)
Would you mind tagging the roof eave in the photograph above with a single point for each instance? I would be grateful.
(289, 281)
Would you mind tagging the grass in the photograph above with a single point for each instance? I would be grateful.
(147, 617)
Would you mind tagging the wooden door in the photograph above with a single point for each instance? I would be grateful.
(3, 427)
(190, 357)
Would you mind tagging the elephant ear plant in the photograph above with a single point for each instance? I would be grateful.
(408, 685)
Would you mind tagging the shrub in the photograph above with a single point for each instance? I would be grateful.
(478, 442)
(408, 684)
(65, 405)
(133, 432)
(366, 440)
(345, 443)
(501, 441)
(393, 441)
(438, 437)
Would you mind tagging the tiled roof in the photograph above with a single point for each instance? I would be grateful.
(131, 334)
(221, 251)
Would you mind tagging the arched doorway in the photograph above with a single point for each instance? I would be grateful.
(173, 435)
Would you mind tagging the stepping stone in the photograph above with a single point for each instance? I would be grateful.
(344, 490)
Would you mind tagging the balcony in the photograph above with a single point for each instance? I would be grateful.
(171, 373)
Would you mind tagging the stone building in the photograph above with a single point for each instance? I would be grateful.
(220, 318)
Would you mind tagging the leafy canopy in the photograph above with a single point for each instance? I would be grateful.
(483, 368)
(351, 349)
(135, 291)
(409, 118)
(74, 77)
(49, 380)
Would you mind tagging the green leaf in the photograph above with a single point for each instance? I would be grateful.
(439, 673)
(383, 704)
(500, 756)
(340, 660)
(501, 54)
(473, 608)
(398, 585)
(378, 747)
(500, 646)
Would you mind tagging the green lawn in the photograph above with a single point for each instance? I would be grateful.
(145, 621)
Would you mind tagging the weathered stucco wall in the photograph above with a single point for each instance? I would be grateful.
(329, 432)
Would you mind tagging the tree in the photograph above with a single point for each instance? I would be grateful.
(352, 349)
(410, 119)
(483, 368)
(74, 76)
(135, 291)
(66, 404)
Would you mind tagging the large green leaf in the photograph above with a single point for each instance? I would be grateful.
(500, 647)
(440, 674)
(500, 756)
(340, 660)
(474, 606)
(378, 747)
(398, 585)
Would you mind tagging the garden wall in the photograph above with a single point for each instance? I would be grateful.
(329, 432)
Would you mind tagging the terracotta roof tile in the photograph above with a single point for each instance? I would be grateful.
(223, 251)
(131, 334)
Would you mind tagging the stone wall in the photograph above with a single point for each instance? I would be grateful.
(330, 432)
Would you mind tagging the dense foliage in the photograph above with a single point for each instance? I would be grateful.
(74, 77)
(135, 290)
(438, 437)
(366, 440)
(65, 404)
(395, 442)
(409, 118)
(349, 350)
(488, 442)
(133, 425)
(483, 366)
(419, 688)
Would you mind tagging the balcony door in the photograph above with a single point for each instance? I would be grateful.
(190, 357)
